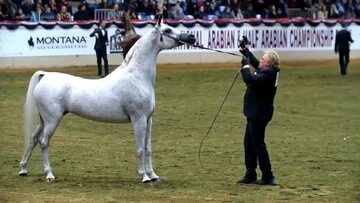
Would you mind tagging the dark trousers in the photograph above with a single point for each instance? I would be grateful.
(343, 61)
(101, 54)
(255, 149)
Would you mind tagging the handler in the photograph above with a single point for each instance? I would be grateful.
(100, 47)
(342, 45)
(258, 109)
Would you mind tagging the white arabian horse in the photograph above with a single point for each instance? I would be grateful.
(126, 95)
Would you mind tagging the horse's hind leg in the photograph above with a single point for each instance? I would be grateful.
(148, 152)
(31, 143)
(44, 139)
(140, 133)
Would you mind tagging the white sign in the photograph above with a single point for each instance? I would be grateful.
(76, 41)
(42, 42)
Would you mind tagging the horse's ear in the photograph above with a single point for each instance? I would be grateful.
(160, 19)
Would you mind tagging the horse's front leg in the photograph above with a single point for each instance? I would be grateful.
(148, 162)
(140, 126)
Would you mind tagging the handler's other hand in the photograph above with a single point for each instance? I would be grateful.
(244, 61)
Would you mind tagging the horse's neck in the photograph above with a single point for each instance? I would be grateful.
(141, 60)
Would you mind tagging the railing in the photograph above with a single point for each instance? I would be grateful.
(104, 14)
(110, 14)
(298, 12)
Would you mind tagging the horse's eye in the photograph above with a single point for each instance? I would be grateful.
(168, 31)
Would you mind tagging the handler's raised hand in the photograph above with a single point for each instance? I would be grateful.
(243, 42)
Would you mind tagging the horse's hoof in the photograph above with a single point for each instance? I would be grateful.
(23, 173)
(155, 180)
(147, 181)
(50, 178)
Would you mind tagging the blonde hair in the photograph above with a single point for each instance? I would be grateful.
(274, 58)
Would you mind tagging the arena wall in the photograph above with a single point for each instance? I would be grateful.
(75, 61)
(58, 46)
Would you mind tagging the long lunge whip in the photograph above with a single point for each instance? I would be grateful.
(222, 104)
(217, 114)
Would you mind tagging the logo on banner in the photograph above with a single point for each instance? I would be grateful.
(115, 41)
(31, 42)
(57, 42)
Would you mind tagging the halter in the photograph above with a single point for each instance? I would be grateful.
(171, 37)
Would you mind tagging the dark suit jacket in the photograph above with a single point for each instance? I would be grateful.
(100, 42)
(260, 92)
(343, 37)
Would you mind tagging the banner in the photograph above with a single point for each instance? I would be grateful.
(291, 38)
(76, 41)
(41, 42)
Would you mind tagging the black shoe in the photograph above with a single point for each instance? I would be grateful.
(270, 181)
(247, 180)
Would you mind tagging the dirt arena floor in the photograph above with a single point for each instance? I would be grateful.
(189, 66)
(312, 139)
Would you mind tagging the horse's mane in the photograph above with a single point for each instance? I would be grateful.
(129, 55)
(131, 52)
(137, 45)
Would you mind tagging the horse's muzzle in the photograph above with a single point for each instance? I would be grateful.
(187, 38)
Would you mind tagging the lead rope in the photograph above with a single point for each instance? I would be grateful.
(217, 114)
(202, 47)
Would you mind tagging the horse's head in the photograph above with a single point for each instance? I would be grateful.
(171, 37)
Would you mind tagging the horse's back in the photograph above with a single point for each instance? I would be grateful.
(109, 99)
(56, 84)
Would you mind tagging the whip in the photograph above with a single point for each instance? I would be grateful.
(227, 94)
(222, 104)
(217, 114)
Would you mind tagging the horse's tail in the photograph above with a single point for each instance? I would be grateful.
(30, 108)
